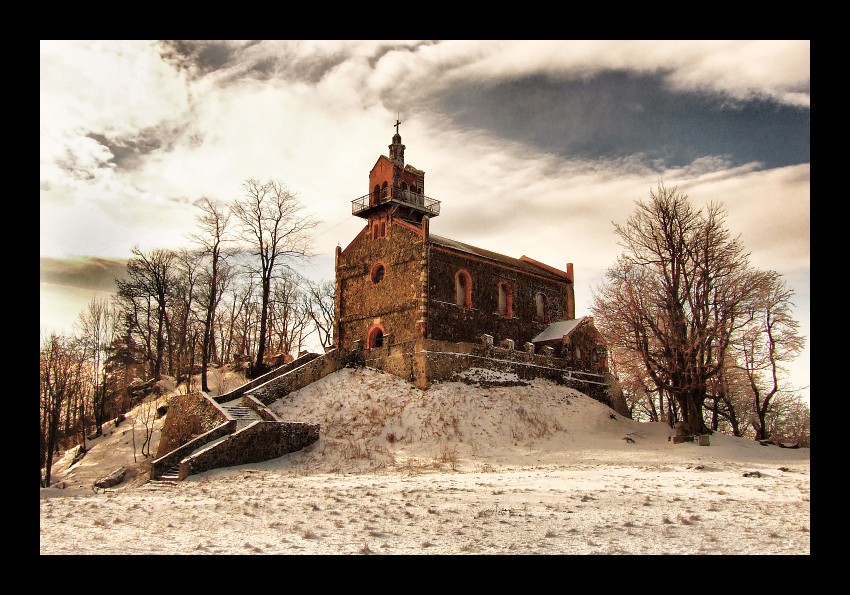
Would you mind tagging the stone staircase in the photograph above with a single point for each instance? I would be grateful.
(281, 381)
(283, 370)
(242, 415)
(171, 474)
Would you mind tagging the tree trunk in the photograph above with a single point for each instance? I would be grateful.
(261, 348)
(691, 406)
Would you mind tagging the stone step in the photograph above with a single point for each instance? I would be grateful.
(242, 415)
(171, 474)
(160, 484)
(245, 412)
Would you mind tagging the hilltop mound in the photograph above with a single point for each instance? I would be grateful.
(372, 420)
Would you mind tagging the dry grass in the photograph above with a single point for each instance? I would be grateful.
(448, 454)
(356, 449)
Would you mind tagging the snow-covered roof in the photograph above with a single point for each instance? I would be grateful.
(559, 329)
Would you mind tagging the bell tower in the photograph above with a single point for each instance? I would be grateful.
(396, 190)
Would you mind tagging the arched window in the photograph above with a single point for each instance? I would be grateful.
(505, 300)
(463, 289)
(384, 190)
(378, 272)
(376, 195)
(542, 304)
(376, 337)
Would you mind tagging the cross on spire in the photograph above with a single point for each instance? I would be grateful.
(397, 122)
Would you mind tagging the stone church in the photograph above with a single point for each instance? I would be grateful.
(402, 290)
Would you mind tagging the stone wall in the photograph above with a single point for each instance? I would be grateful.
(399, 359)
(449, 322)
(259, 441)
(163, 463)
(300, 377)
(189, 416)
(426, 361)
(584, 349)
(279, 371)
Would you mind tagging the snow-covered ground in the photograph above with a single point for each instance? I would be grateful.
(456, 469)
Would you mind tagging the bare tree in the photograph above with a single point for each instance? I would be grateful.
(148, 291)
(97, 327)
(61, 369)
(271, 224)
(728, 399)
(319, 301)
(146, 414)
(236, 323)
(638, 390)
(212, 237)
(676, 296)
(186, 320)
(768, 341)
(288, 317)
(789, 420)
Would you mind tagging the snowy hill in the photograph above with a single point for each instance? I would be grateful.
(459, 468)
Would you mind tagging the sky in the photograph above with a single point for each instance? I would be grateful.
(534, 148)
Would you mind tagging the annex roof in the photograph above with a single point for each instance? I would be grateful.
(559, 329)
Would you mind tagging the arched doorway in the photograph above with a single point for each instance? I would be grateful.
(376, 337)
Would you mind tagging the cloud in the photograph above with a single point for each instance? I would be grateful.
(778, 70)
(89, 272)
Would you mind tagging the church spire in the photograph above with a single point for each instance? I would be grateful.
(396, 148)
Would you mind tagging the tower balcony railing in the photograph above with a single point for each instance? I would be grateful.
(398, 195)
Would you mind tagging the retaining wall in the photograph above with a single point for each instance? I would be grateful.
(425, 361)
(162, 464)
(265, 378)
(299, 377)
(188, 416)
(256, 442)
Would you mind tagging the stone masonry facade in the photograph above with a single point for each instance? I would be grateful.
(485, 277)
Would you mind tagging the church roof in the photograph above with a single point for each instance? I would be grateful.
(523, 263)
(559, 329)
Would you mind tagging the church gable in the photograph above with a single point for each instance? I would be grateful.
(377, 283)
(380, 178)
